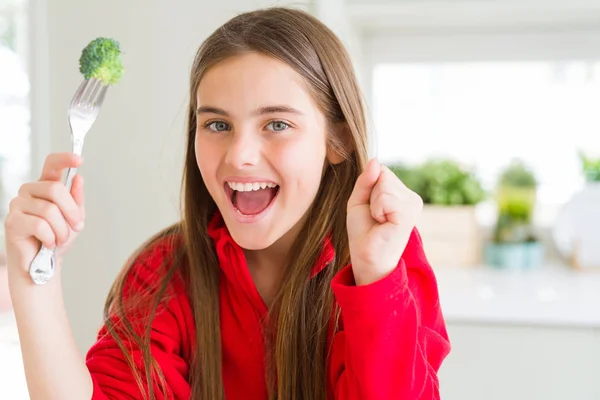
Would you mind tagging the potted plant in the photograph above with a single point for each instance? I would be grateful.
(514, 243)
(575, 231)
(448, 223)
(590, 167)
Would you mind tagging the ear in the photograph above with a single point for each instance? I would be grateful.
(339, 143)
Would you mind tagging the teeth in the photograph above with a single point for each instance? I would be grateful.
(250, 186)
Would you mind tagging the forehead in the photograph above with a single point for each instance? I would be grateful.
(253, 80)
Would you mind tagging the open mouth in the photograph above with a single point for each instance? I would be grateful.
(251, 198)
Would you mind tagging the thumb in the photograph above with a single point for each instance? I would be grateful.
(364, 184)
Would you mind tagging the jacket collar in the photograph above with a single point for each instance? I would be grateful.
(219, 233)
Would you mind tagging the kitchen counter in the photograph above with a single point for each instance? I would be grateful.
(553, 295)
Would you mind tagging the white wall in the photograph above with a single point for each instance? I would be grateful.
(133, 154)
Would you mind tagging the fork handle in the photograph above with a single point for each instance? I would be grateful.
(69, 180)
(71, 172)
(44, 263)
(42, 266)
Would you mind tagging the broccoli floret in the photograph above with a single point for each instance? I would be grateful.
(101, 59)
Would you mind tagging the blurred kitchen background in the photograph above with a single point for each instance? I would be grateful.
(488, 109)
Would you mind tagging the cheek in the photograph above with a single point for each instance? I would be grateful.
(304, 165)
(207, 159)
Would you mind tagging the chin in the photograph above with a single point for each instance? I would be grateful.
(250, 238)
(252, 243)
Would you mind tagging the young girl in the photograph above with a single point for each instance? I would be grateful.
(295, 273)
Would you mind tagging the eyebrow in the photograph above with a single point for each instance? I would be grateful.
(259, 111)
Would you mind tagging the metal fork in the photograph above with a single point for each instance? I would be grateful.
(83, 111)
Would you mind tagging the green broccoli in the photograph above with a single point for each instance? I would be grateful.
(101, 59)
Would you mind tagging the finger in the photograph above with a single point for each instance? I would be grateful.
(77, 193)
(378, 211)
(385, 207)
(26, 226)
(390, 197)
(392, 177)
(364, 184)
(56, 163)
(47, 211)
(55, 192)
(387, 185)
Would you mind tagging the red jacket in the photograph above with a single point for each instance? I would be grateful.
(392, 343)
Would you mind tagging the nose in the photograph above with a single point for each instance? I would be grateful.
(244, 149)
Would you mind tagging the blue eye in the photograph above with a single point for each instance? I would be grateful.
(278, 126)
(218, 126)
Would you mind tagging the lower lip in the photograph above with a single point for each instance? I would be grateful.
(248, 219)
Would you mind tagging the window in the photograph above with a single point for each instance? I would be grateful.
(485, 113)
(14, 100)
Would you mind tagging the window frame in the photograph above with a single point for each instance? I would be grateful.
(34, 51)
(397, 46)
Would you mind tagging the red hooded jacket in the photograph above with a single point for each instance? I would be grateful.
(391, 343)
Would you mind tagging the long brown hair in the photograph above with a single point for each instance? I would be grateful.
(296, 340)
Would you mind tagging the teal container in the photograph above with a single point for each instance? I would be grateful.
(514, 255)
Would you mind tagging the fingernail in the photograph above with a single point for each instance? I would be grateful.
(79, 226)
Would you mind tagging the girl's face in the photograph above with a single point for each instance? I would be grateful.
(260, 146)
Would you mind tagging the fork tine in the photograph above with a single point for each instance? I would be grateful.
(95, 92)
(79, 93)
(83, 94)
(100, 98)
(87, 93)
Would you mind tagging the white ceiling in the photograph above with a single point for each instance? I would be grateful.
(479, 15)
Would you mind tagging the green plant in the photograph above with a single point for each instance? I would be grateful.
(516, 198)
(441, 182)
(517, 175)
(514, 226)
(590, 167)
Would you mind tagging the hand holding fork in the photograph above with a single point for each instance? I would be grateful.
(83, 111)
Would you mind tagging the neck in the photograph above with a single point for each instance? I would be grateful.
(267, 266)
(266, 269)
(270, 260)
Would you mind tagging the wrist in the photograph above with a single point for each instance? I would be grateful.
(20, 282)
(366, 275)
